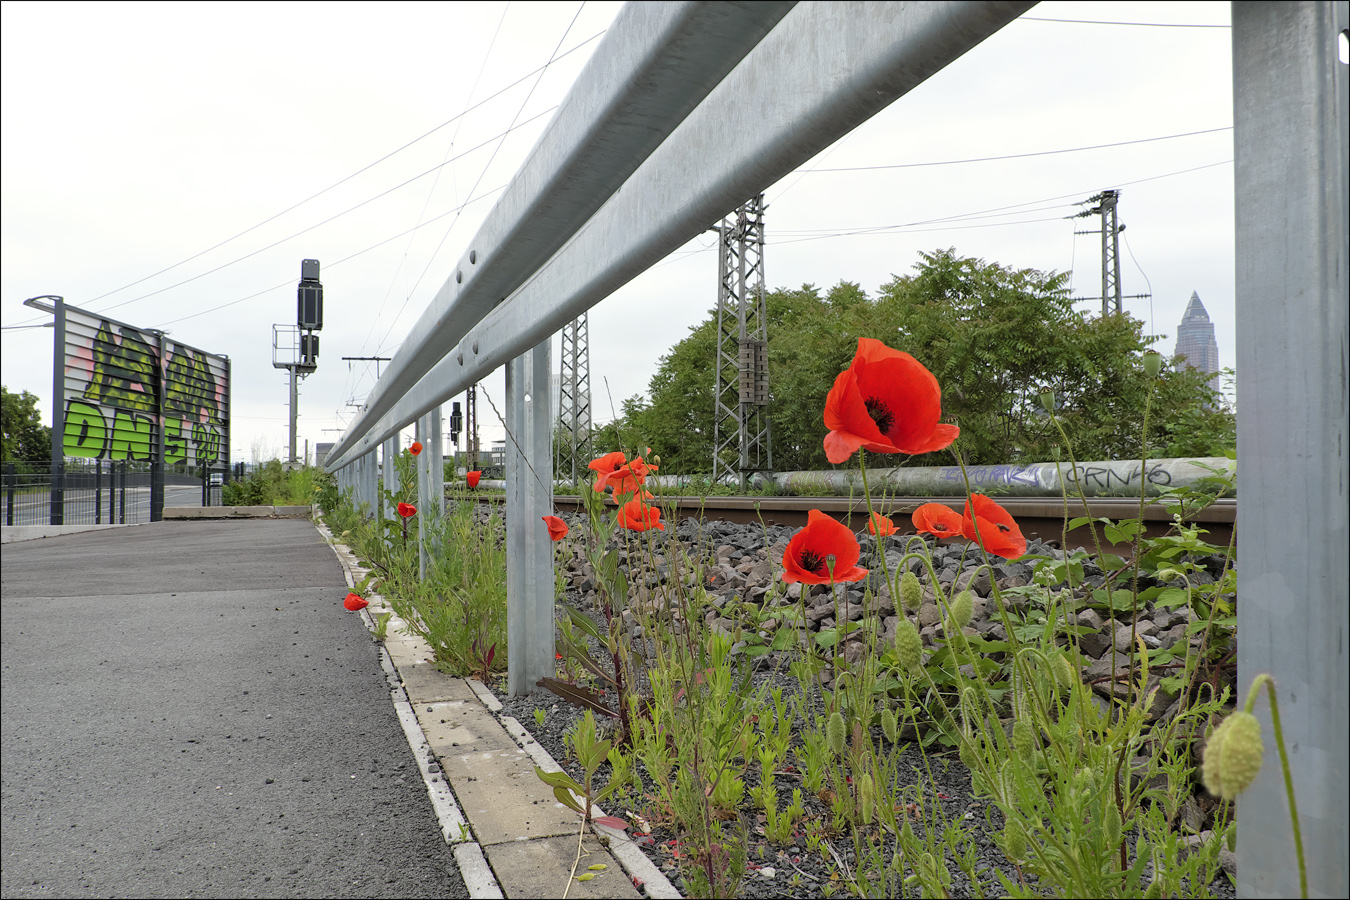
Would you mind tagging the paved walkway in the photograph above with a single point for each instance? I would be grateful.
(188, 711)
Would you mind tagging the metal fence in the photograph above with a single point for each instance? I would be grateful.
(98, 492)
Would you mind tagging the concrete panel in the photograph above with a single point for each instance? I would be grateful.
(540, 869)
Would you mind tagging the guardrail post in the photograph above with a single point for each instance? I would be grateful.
(1289, 136)
(529, 497)
(423, 495)
(370, 481)
(391, 484)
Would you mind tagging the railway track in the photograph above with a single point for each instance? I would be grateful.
(1041, 517)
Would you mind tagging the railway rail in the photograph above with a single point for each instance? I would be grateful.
(1042, 517)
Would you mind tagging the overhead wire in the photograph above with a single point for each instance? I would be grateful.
(344, 180)
(552, 59)
(331, 218)
(955, 162)
(339, 262)
(431, 192)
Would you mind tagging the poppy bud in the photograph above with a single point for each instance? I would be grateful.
(889, 726)
(1152, 363)
(1063, 671)
(911, 592)
(1111, 825)
(867, 798)
(1155, 890)
(1014, 840)
(963, 607)
(1054, 452)
(909, 646)
(1048, 401)
(967, 753)
(1233, 755)
(834, 731)
(1023, 742)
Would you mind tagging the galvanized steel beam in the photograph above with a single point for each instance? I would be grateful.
(658, 61)
(1290, 124)
(825, 69)
(529, 497)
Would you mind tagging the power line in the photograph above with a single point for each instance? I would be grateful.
(553, 57)
(344, 259)
(342, 181)
(431, 192)
(1099, 22)
(953, 162)
(331, 218)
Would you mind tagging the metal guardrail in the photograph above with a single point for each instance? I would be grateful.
(564, 237)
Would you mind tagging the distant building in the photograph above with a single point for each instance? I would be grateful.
(1195, 341)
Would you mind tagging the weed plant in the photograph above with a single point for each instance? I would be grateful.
(460, 606)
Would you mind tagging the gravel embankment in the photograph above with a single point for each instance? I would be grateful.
(742, 563)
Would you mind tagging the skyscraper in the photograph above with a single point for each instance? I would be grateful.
(1195, 340)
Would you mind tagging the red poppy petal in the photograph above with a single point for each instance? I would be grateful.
(906, 394)
(472, 478)
(355, 602)
(936, 519)
(846, 413)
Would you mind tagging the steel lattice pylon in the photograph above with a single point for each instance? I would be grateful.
(741, 440)
(572, 442)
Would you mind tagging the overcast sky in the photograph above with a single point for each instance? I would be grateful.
(158, 161)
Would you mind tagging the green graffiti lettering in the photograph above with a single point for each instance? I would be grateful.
(86, 433)
(208, 443)
(132, 438)
(175, 448)
(190, 388)
(124, 374)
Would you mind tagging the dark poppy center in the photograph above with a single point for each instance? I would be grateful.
(939, 526)
(880, 413)
(1004, 528)
(812, 562)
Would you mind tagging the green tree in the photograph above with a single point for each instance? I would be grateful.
(25, 437)
(995, 338)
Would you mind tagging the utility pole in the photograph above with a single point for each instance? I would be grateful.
(741, 439)
(1107, 202)
(296, 348)
(573, 444)
(471, 427)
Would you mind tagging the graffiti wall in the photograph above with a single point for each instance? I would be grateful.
(113, 383)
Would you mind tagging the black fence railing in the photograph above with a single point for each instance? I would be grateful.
(98, 492)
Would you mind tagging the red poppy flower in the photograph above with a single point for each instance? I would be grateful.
(407, 509)
(880, 525)
(355, 602)
(618, 474)
(886, 402)
(806, 557)
(416, 448)
(934, 518)
(998, 533)
(557, 528)
(638, 516)
(472, 477)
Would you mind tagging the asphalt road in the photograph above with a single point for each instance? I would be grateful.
(188, 711)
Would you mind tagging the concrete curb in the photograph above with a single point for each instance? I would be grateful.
(236, 512)
(11, 533)
(457, 829)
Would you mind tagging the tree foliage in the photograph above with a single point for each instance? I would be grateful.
(995, 338)
(25, 437)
